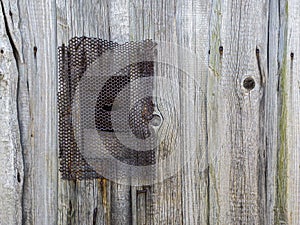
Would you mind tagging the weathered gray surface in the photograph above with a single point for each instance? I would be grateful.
(292, 88)
(85, 202)
(236, 123)
(246, 143)
(29, 36)
(11, 161)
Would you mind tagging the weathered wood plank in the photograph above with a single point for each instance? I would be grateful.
(88, 201)
(213, 115)
(11, 160)
(38, 84)
(193, 34)
(167, 194)
(141, 27)
(245, 141)
(121, 212)
(293, 113)
(176, 200)
(236, 168)
(78, 19)
(142, 23)
(280, 209)
(272, 107)
(33, 39)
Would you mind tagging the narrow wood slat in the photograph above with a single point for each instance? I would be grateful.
(32, 32)
(11, 160)
(293, 113)
(236, 114)
(87, 201)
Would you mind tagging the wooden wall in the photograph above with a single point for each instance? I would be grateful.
(244, 140)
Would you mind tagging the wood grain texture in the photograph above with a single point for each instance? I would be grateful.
(182, 198)
(271, 111)
(293, 112)
(241, 146)
(11, 160)
(83, 202)
(32, 37)
(37, 107)
(156, 20)
(108, 20)
(280, 212)
(236, 114)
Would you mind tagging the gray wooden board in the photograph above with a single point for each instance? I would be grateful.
(244, 143)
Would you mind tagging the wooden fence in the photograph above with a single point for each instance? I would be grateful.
(242, 116)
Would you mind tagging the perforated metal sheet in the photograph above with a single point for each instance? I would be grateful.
(103, 107)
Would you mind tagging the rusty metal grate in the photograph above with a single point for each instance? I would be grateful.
(101, 103)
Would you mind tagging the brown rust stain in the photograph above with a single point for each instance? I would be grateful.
(104, 192)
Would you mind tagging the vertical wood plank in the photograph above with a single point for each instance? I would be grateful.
(193, 33)
(87, 201)
(213, 115)
(272, 109)
(11, 159)
(78, 19)
(167, 195)
(183, 197)
(37, 107)
(236, 142)
(33, 38)
(248, 137)
(281, 213)
(280, 210)
(293, 112)
(141, 27)
(121, 212)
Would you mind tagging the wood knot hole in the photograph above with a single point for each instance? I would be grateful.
(292, 55)
(249, 83)
(156, 120)
(221, 50)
